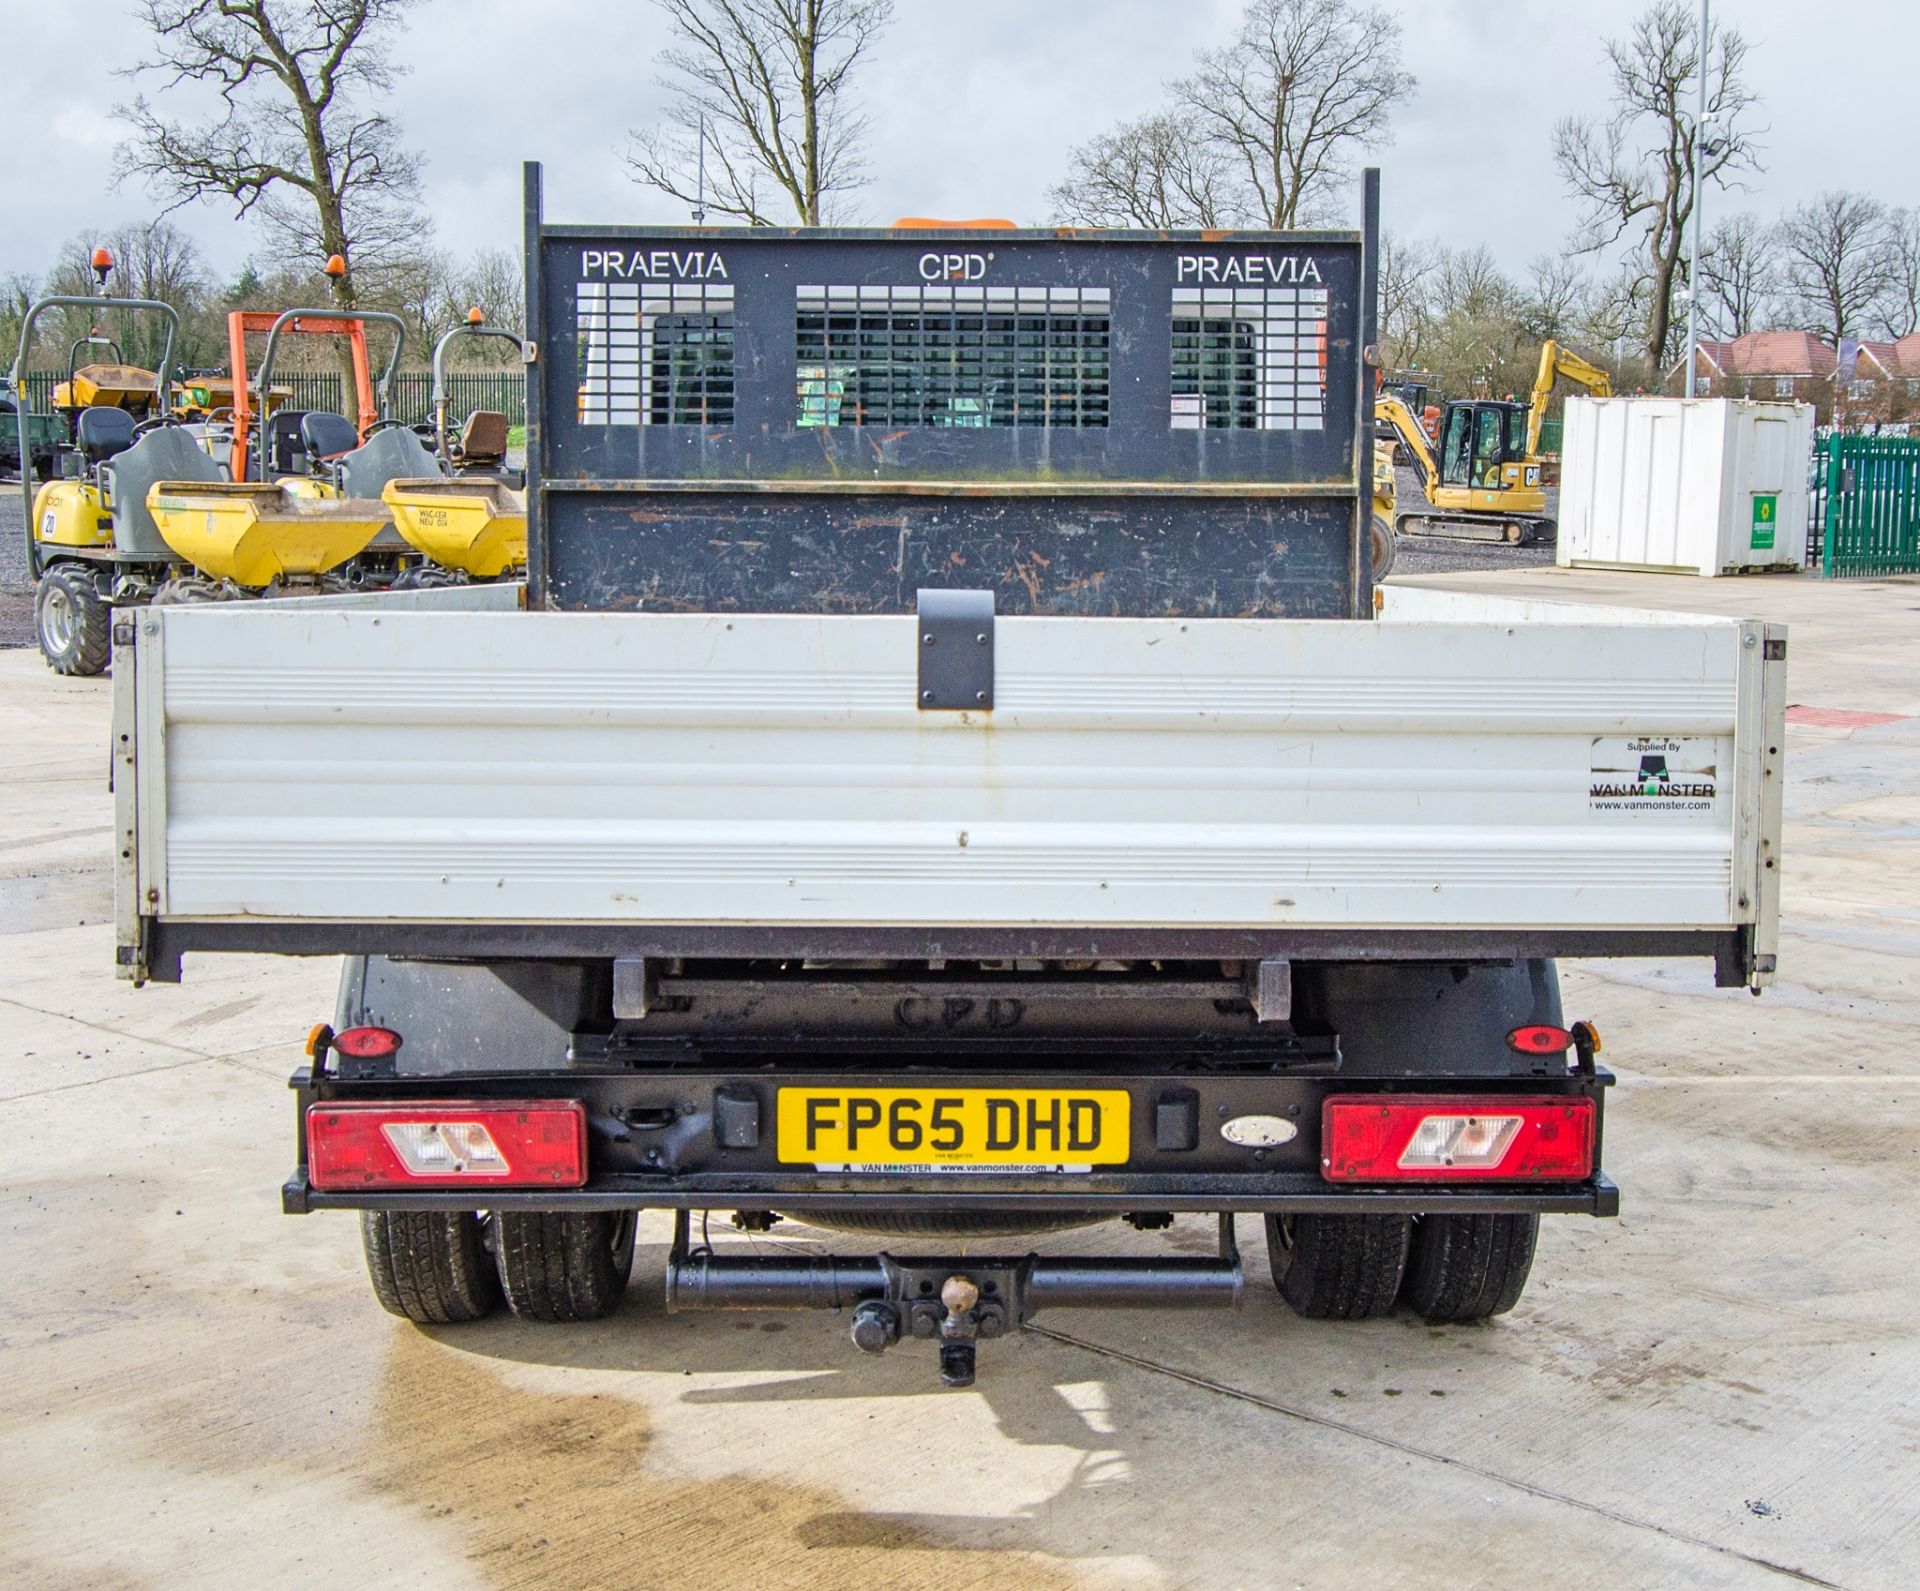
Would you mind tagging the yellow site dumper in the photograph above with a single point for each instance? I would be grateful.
(472, 524)
(256, 534)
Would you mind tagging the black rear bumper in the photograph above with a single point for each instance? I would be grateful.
(1290, 1193)
(655, 1142)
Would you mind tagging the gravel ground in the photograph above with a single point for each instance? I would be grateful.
(16, 599)
(1433, 555)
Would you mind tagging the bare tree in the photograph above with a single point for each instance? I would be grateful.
(1739, 274)
(440, 291)
(770, 80)
(1840, 261)
(157, 261)
(1407, 270)
(18, 290)
(1306, 83)
(1468, 314)
(492, 280)
(1553, 304)
(1159, 171)
(302, 142)
(1635, 172)
(1471, 286)
(1900, 306)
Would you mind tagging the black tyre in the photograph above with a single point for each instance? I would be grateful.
(186, 591)
(1382, 547)
(430, 1266)
(1468, 1267)
(1338, 1267)
(560, 1267)
(72, 621)
(946, 1223)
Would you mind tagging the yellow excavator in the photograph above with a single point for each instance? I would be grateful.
(1483, 480)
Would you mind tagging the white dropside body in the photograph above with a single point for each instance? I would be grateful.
(1703, 486)
(1461, 762)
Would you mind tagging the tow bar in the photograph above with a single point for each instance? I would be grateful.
(956, 1301)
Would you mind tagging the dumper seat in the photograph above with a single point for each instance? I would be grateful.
(285, 455)
(101, 433)
(326, 436)
(483, 439)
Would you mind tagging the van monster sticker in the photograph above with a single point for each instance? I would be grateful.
(1654, 775)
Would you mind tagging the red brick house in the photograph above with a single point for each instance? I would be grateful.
(1798, 366)
(1898, 369)
(1780, 366)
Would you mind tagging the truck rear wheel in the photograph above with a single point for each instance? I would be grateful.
(1338, 1267)
(559, 1266)
(71, 621)
(1468, 1267)
(430, 1266)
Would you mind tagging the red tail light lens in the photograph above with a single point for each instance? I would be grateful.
(447, 1144)
(1540, 1040)
(366, 1044)
(1455, 1138)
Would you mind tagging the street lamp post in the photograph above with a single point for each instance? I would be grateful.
(1699, 220)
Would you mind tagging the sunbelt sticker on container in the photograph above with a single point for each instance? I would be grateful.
(1654, 775)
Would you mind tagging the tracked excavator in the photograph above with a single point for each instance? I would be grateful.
(1483, 481)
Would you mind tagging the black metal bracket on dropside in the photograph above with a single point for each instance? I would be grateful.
(956, 651)
(952, 1301)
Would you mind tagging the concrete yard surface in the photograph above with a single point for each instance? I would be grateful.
(1717, 1389)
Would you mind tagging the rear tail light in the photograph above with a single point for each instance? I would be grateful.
(447, 1144)
(1455, 1138)
(1540, 1039)
(366, 1044)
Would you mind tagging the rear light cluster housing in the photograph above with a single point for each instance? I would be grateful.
(371, 1144)
(1456, 1138)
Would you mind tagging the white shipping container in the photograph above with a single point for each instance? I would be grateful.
(1704, 486)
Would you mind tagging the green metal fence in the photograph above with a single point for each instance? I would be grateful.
(1871, 522)
(1550, 433)
(311, 389)
(502, 390)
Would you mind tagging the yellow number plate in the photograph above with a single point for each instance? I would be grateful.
(878, 1129)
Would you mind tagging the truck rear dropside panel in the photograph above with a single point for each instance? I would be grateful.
(1464, 776)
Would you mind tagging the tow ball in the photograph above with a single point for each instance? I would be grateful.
(954, 1301)
(959, 1318)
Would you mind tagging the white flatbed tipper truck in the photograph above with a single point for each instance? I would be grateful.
(947, 775)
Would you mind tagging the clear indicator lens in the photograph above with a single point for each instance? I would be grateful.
(1460, 1141)
(446, 1148)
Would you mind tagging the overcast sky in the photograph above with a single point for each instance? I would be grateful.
(974, 104)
